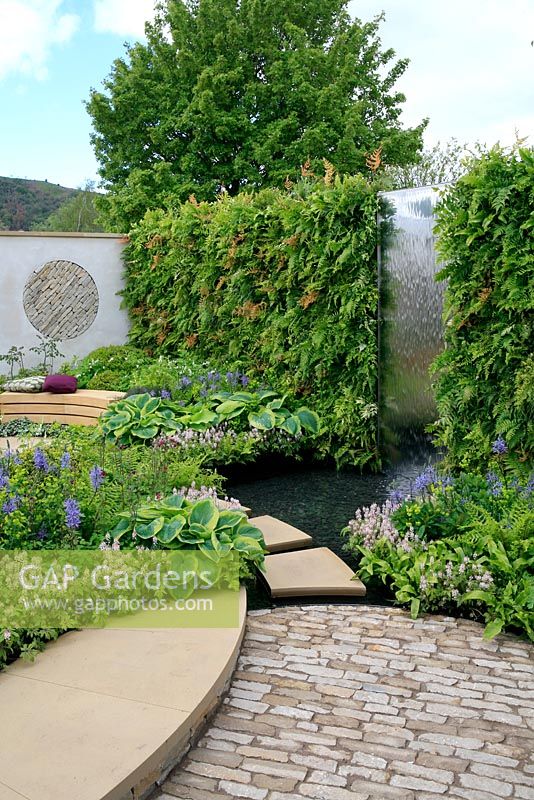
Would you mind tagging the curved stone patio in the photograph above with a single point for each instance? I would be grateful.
(357, 702)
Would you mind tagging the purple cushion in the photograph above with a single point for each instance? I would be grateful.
(60, 384)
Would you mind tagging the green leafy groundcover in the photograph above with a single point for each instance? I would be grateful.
(485, 376)
(461, 545)
(283, 283)
(70, 492)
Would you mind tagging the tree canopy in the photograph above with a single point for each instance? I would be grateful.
(76, 214)
(234, 94)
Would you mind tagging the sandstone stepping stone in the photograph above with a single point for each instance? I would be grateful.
(279, 536)
(310, 572)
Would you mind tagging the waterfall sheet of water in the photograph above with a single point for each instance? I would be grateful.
(412, 330)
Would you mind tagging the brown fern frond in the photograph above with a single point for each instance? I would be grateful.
(305, 170)
(191, 340)
(374, 159)
(193, 200)
(309, 298)
(291, 240)
(154, 241)
(288, 183)
(329, 172)
(249, 310)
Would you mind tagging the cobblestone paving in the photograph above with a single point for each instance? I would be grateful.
(358, 702)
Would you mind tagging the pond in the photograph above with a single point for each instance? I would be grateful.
(320, 500)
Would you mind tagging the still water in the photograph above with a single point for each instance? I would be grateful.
(320, 500)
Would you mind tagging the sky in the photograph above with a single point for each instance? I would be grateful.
(471, 72)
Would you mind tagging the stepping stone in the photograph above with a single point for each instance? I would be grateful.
(310, 572)
(279, 536)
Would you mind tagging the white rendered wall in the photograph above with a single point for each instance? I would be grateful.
(21, 253)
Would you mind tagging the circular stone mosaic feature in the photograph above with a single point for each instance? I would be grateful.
(61, 300)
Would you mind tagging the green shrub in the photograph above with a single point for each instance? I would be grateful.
(463, 545)
(143, 417)
(281, 284)
(485, 376)
(107, 367)
(176, 523)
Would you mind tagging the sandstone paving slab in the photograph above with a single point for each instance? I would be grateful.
(69, 743)
(125, 664)
(103, 714)
(8, 794)
(280, 536)
(318, 571)
(344, 702)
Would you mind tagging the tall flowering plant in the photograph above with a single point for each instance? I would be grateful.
(47, 499)
(463, 545)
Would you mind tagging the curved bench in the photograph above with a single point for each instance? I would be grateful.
(104, 714)
(80, 408)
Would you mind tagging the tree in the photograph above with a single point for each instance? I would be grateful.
(440, 164)
(232, 94)
(77, 214)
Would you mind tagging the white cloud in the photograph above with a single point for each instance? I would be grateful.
(123, 17)
(28, 31)
(471, 64)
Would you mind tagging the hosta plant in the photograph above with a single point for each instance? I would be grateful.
(145, 417)
(138, 417)
(265, 410)
(176, 523)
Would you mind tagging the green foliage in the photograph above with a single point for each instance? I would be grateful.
(484, 385)
(443, 163)
(464, 546)
(176, 523)
(230, 96)
(24, 643)
(25, 204)
(35, 487)
(107, 367)
(143, 417)
(22, 426)
(284, 284)
(138, 417)
(14, 359)
(78, 213)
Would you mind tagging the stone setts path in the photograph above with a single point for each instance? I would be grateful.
(342, 702)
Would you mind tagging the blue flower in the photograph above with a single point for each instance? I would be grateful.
(96, 477)
(42, 533)
(425, 479)
(65, 462)
(11, 504)
(185, 382)
(244, 380)
(494, 484)
(39, 460)
(4, 479)
(499, 446)
(73, 515)
(397, 496)
(165, 394)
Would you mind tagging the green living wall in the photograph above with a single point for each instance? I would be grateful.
(280, 283)
(485, 376)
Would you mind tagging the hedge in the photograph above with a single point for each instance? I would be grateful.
(485, 376)
(283, 283)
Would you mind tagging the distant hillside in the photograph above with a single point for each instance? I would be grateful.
(26, 204)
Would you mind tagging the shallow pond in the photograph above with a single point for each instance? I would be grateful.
(321, 500)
